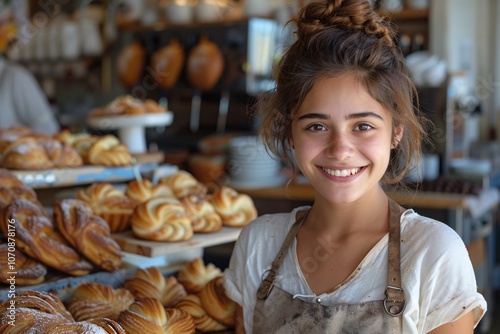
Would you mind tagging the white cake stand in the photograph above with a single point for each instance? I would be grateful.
(132, 129)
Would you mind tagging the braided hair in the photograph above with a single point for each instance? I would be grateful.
(336, 37)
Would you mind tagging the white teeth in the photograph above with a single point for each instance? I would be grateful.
(341, 173)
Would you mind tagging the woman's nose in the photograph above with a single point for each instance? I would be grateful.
(339, 147)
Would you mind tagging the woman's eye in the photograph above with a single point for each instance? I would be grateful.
(316, 127)
(363, 127)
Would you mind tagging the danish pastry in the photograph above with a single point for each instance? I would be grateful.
(183, 183)
(235, 209)
(37, 237)
(150, 283)
(143, 190)
(202, 214)
(28, 270)
(161, 219)
(88, 233)
(196, 274)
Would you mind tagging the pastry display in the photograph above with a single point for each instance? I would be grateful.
(183, 184)
(128, 106)
(28, 270)
(202, 214)
(87, 233)
(143, 190)
(195, 275)
(161, 219)
(235, 209)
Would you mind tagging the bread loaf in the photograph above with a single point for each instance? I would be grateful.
(196, 274)
(235, 209)
(161, 219)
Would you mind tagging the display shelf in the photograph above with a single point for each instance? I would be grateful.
(129, 243)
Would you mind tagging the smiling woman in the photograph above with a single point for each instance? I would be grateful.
(343, 110)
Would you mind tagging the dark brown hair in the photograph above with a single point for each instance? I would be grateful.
(334, 38)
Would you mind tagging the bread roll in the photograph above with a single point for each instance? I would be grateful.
(143, 190)
(94, 300)
(202, 214)
(28, 270)
(37, 237)
(202, 321)
(196, 274)
(150, 283)
(183, 183)
(161, 219)
(235, 209)
(88, 233)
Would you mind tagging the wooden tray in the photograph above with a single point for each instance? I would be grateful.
(131, 244)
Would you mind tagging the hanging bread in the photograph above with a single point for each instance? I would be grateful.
(167, 64)
(130, 64)
(205, 64)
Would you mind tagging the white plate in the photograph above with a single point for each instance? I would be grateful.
(116, 122)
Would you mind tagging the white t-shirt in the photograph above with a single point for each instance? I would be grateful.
(22, 101)
(437, 275)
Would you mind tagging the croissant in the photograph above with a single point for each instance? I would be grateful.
(94, 326)
(35, 312)
(161, 219)
(216, 303)
(146, 315)
(61, 154)
(28, 270)
(94, 300)
(25, 153)
(183, 183)
(235, 209)
(108, 151)
(143, 190)
(196, 274)
(150, 283)
(202, 321)
(36, 237)
(179, 322)
(8, 179)
(202, 214)
(88, 233)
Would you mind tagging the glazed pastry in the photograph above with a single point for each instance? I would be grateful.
(202, 321)
(94, 326)
(202, 214)
(148, 315)
(150, 283)
(108, 151)
(94, 300)
(88, 233)
(183, 183)
(161, 219)
(28, 270)
(143, 190)
(216, 303)
(25, 153)
(36, 312)
(196, 274)
(37, 237)
(235, 209)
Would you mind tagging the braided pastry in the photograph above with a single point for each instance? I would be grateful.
(83, 144)
(61, 154)
(36, 237)
(196, 274)
(143, 190)
(35, 312)
(202, 321)
(150, 283)
(235, 209)
(7, 195)
(9, 180)
(28, 270)
(183, 183)
(161, 219)
(88, 233)
(10, 135)
(216, 303)
(94, 300)
(94, 326)
(202, 214)
(108, 151)
(148, 315)
(25, 153)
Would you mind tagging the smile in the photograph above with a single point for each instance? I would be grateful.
(341, 172)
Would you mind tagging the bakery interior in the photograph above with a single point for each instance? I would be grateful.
(169, 88)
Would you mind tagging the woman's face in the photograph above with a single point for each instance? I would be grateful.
(342, 139)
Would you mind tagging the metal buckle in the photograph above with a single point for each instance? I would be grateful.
(394, 307)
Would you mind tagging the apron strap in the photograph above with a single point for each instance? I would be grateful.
(268, 282)
(394, 303)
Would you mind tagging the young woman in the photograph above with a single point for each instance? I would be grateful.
(355, 261)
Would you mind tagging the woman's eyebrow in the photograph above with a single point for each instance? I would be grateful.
(314, 115)
(363, 115)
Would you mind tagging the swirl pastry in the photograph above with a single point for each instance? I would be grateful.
(150, 283)
(28, 270)
(36, 237)
(61, 154)
(202, 321)
(161, 219)
(183, 183)
(235, 209)
(94, 300)
(36, 312)
(202, 214)
(143, 190)
(148, 315)
(88, 233)
(108, 151)
(196, 274)
(216, 303)
(25, 153)
(94, 326)
(83, 144)
(97, 192)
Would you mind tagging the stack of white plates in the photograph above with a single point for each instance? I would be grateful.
(251, 166)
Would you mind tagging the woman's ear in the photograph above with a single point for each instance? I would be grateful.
(398, 134)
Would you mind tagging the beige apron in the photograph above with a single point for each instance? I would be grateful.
(276, 311)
